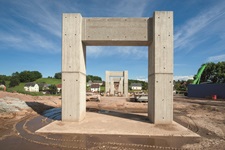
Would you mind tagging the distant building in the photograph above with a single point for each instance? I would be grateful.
(43, 86)
(31, 87)
(3, 87)
(59, 88)
(97, 82)
(89, 83)
(136, 86)
(95, 88)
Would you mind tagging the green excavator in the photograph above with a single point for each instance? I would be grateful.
(199, 74)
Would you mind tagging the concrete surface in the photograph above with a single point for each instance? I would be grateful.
(73, 69)
(160, 69)
(115, 29)
(155, 32)
(110, 75)
(107, 122)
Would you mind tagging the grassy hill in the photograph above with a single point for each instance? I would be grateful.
(20, 87)
(49, 81)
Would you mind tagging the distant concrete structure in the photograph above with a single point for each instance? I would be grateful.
(111, 78)
(155, 32)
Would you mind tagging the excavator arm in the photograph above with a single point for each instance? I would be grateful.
(199, 74)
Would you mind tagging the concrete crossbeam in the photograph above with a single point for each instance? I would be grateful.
(115, 73)
(123, 31)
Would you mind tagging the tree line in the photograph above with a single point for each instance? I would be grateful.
(214, 73)
(143, 83)
(92, 78)
(17, 77)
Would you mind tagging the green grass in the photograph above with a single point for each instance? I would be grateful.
(102, 88)
(49, 81)
(20, 87)
(7, 83)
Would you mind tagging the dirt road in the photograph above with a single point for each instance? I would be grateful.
(205, 117)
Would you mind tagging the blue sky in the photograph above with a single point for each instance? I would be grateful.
(30, 35)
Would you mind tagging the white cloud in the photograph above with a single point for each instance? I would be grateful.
(198, 29)
(185, 78)
(142, 78)
(23, 31)
(94, 51)
(134, 52)
(36, 25)
(216, 58)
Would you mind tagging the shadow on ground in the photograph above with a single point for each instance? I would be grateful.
(55, 113)
(39, 107)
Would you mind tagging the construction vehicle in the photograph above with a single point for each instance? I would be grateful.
(199, 74)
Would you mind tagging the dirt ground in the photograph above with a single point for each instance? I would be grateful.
(203, 116)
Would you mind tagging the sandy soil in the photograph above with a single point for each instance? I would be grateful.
(15, 106)
(205, 117)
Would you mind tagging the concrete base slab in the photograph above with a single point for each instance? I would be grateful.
(117, 123)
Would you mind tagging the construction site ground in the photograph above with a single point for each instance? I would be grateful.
(21, 115)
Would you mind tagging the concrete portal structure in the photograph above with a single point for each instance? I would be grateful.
(155, 32)
(111, 77)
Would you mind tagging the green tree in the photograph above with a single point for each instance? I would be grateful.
(5, 78)
(25, 76)
(93, 78)
(14, 81)
(15, 74)
(2, 82)
(53, 89)
(36, 75)
(214, 72)
(58, 75)
(28, 76)
(88, 78)
(143, 83)
(181, 85)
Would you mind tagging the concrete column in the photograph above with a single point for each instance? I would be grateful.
(73, 69)
(160, 75)
(106, 81)
(125, 74)
(121, 86)
(112, 86)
